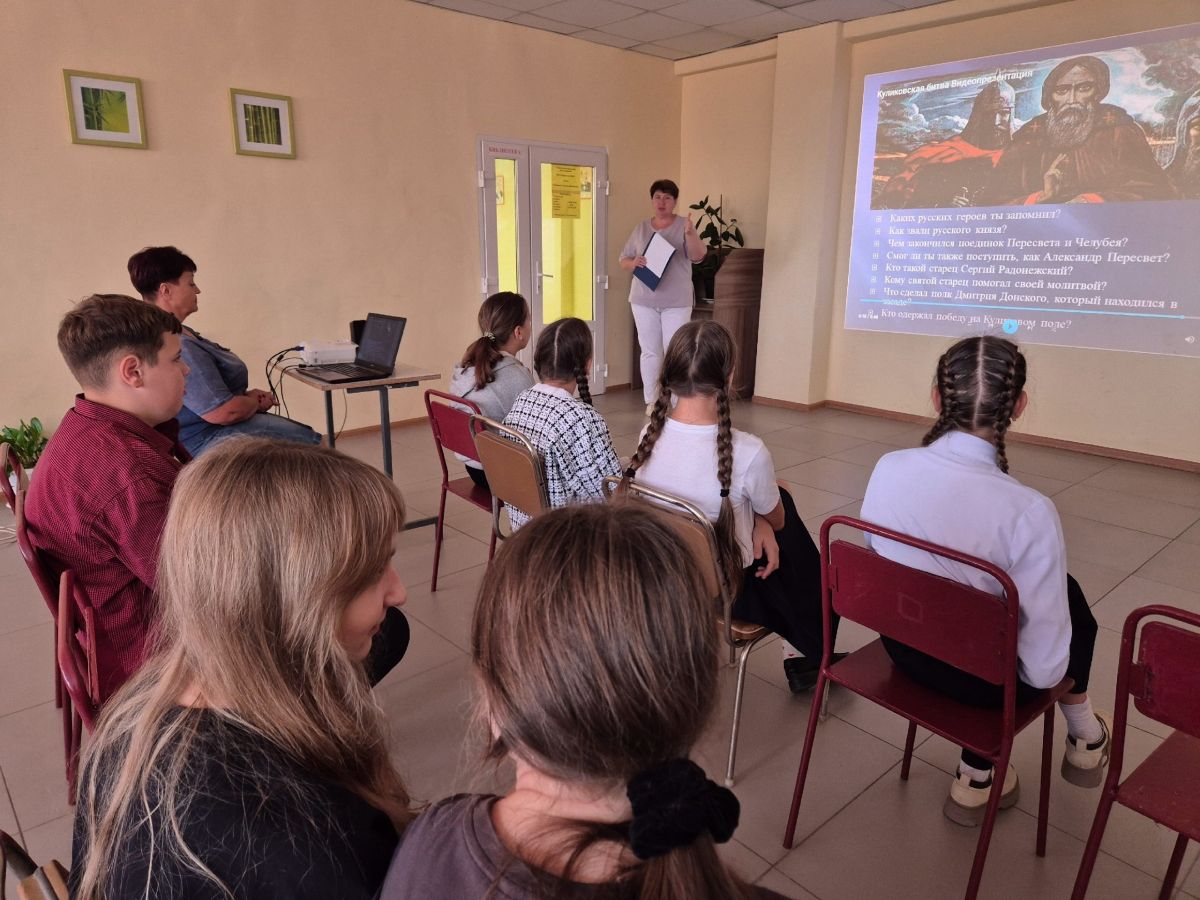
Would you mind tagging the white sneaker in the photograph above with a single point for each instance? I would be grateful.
(1083, 764)
(968, 799)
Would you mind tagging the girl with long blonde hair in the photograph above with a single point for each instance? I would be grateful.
(247, 758)
(596, 658)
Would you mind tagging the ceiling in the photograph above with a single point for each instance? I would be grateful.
(675, 29)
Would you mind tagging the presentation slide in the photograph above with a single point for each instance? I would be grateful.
(1051, 195)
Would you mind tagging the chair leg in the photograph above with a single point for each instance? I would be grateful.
(908, 750)
(1092, 848)
(743, 658)
(1044, 787)
(437, 539)
(985, 829)
(492, 547)
(802, 773)
(58, 689)
(1173, 868)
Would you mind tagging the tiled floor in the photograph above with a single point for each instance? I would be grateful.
(1133, 537)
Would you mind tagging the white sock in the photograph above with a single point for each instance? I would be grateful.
(1082, 723)
(975, 774)
(789, 652)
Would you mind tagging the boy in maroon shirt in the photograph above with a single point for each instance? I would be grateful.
(98, 501)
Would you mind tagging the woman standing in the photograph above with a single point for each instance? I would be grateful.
(659, 313)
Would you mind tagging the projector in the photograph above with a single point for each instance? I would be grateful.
(322, 353)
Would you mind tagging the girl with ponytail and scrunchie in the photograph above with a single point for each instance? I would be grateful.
(594, 654)
(570, 435)
(691, 449)
(955, 491)
(489, 374)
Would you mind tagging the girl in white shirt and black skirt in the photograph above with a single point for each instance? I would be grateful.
(691, 449)
(956, 491)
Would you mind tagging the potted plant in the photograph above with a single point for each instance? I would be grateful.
(721, 236)
(26, 442)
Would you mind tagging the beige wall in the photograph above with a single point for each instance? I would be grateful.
(379, 212)
(724, 127)
(1129, 401)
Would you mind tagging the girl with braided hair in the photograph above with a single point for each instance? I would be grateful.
(691, 449)
(955, 491)
(570, 435)
(489, 373)
(593, 652)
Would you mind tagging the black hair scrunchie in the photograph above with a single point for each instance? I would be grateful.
(673, 804)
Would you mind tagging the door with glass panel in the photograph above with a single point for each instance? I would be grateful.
(542, 215)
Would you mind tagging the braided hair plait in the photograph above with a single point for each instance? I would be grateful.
(658, 418)
(581, 382)
(727, 543)
(979, 381)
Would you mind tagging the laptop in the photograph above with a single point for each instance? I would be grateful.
(376, 357)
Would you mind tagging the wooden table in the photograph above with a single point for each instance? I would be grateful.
(403, 376)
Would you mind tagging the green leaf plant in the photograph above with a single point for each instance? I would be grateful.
(27, 441)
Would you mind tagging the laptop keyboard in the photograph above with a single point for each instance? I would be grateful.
(348, 369)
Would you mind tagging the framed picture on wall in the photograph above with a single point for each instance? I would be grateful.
(105, 109)
(262, 124)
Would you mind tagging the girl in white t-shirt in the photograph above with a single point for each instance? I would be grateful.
(956, 491)
(691, 449)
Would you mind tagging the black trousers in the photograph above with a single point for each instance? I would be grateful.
(974, 691)
(479, 477)
(388, 647)
(788, 601)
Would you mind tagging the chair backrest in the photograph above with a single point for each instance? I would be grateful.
(8, 460)
(695, 532)
(46, 581)
(968, 628)
(450, 422)
(515, 472)
(75, 647)
(1165, 680)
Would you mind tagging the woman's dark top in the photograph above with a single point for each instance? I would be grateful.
(452, 852)
(265, 826)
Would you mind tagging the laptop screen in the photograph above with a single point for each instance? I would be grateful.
(381, 340)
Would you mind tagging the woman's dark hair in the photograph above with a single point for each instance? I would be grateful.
(563, 350)
(667, 186)
(499, 316)
(152, 266)
(700, 360)
(979, 380)
(594, 644)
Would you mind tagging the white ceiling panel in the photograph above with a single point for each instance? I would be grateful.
(603, 37)
(656, 50)
(708, 40)
(649, 27)
(532, 21)
(715, 12)
(520, 5)
(769, 25)
(587, 13)
(476, 8)
(842, 10)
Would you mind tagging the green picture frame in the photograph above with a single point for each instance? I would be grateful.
(263, 124)
(105, 110)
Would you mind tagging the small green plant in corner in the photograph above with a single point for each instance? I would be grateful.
(27, 441)
(721, 235)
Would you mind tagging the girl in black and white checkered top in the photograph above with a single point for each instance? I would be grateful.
(571, 436)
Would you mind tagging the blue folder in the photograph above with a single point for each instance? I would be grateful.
(644, 273)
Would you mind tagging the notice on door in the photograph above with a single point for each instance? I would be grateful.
(564, 191)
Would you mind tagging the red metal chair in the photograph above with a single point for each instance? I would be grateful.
(450, 422)
(75, 648)
(1165, 685)
(9, 461)
(47, 583)
(967, 628)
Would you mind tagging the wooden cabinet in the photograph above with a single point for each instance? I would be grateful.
(739, 295)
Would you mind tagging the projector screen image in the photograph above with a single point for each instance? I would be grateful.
(1051, 195)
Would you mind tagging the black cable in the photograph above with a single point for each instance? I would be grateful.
(279, 387)
(282, 371)
(273, 362)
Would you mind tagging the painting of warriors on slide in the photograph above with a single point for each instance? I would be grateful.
(1113, 125)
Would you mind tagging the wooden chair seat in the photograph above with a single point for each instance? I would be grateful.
(468, 490)
(743, 631)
